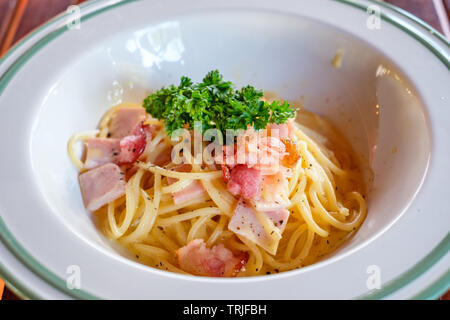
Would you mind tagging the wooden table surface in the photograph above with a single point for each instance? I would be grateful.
(19, 17)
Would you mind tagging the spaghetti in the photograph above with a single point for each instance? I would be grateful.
(323, 199)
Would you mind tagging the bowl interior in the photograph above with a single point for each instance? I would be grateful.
(367, 97)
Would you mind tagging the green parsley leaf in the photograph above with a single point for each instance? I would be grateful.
(214, 103)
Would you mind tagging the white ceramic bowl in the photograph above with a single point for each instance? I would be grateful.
(390, 97)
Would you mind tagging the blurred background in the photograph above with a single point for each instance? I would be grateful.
(19, 17)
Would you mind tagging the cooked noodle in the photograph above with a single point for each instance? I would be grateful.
(326, 206)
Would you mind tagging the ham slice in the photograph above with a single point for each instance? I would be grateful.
(101, 185)
(273, 194)
(279, 217)
(262, 228)
(123, 151)
(244, 181)
(193, 190)
(226, 173)
(126, 121)
(101, 151)
(218, 261)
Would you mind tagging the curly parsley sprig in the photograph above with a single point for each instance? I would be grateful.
(214, 103)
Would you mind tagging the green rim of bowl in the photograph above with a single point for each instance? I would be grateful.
(22, 290)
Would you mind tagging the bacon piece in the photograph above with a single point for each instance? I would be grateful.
(101, 185)
(226, 175)
(218, 261)
(227, 155)
(244, 181)
(132, 146)
(273, 193)
(262, 228)
(101, 151)
(193, 190)
(279, 217)
(125, 122)
(110, 150)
